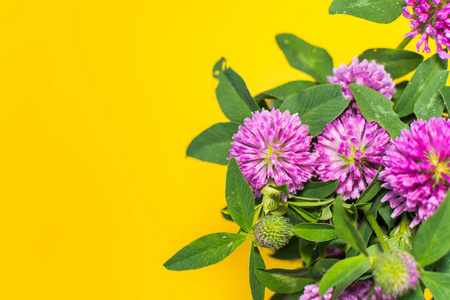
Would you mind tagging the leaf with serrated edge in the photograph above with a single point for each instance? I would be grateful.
(345, 229)
(317, 106)
(430, 104)
(315, 232)
(205, 251)
(379, 11)
(240, 199)
(345, 271)
(286, 90)
(318, 189)
(212, 144)
(312, 60)
(285, 281)
(256, 261)
(445, 92)
(376, 107)
(437, 283)
(396, 62)
(433, 236)
(418, 84)
(232, 93)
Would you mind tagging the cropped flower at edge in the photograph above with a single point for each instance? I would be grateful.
(350, 149)
(360, 290)
(273, 147)
(366, 73)
(429, 18)
(417, 169)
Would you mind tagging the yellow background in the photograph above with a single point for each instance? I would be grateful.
(99, 100)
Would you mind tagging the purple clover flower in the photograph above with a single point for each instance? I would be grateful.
(273, 147)
(350, 149)
(417, 169)
(366, 73)
(311, 292)
(360, 290)
(429, 18)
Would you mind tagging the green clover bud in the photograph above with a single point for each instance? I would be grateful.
(272, 232)
(395, 272)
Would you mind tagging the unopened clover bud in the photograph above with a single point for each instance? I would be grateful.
(272, 232)
(273, 200)
(402, 235)
(395, 272)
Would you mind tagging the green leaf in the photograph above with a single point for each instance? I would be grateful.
(232, 94)
(430, 104)
(315, 232)
(322, 266)
(379, 11)
(438, 284)
(305, 57)
(395, 61)
(256, 261)
(318, 189)
(285, 281)
(343, 273)
(443, 265)
(212, 144)
(425, 72)
(345, 229)
(305, 214)
(400, 87)
(445, 92)
(294, 296)
(240, 200)
(286, 90)
(317, 106)
(416, 294)
(376, 107)
(288, 252)
(370, 192)
(433, 236)
(205, 251)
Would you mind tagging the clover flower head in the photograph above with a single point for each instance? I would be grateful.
(429, 18)
(350, 149)
(417, 169)
(273, 147)
(272, 231)
(366, 73)
(395, 272)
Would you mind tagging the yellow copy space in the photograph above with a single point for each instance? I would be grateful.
(99, 100)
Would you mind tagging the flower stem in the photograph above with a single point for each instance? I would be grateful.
(405, 42)
(376, 228)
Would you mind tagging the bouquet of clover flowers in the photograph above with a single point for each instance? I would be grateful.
(349, 172)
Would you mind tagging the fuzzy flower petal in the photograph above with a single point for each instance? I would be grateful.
(366, 73)
(350, 149)
(417, 169)
(273, 147)
(429, 18)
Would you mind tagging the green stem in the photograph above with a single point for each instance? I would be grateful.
(405, 42)
(309, 199)
(377, 229)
